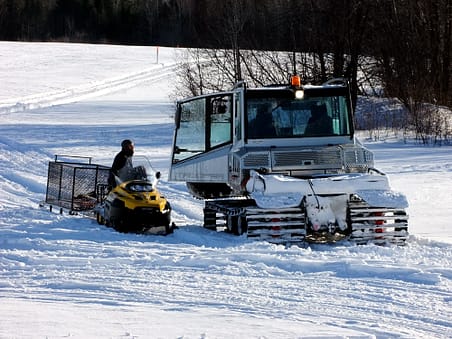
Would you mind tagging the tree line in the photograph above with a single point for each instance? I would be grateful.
(396, 48)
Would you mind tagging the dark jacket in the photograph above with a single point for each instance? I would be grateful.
(122, 164)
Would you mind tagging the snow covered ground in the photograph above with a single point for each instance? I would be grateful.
(66, 276)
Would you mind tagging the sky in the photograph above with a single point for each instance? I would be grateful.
(65, 276)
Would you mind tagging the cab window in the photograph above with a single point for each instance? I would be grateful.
(278, 117)
(202, 124)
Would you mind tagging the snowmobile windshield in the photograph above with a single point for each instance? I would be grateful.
(143, 170)
(278, 114)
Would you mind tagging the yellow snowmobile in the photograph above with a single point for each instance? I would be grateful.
(136, 205)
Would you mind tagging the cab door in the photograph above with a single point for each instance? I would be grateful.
(202, 139)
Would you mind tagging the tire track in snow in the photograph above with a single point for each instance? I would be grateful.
(20, 182)
(89, 90)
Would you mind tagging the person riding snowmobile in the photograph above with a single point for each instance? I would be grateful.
(122, 168)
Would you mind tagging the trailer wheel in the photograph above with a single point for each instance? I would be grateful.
(100, 219)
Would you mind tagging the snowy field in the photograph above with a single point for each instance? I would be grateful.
(65, 276)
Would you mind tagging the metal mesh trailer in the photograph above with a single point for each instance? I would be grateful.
(73, 185)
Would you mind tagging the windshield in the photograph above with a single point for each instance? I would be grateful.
(276, 117)
(141, 169)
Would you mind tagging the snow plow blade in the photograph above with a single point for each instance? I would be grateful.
(357, 207)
